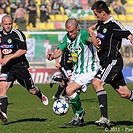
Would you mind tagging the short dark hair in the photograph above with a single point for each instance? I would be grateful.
(100, 6)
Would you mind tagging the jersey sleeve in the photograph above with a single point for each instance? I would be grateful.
(63, 44)
(85, 36)
(119, 31)
(21, 40)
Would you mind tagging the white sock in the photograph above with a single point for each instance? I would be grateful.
(72, 96)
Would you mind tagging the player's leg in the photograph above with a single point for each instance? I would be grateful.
(54, 80)
(102, 97)
(26, 81)
(59, 90)
(125, 92)
(120, 86)
(4, 85)
(105, 75)
(73, 95)
(75, 103)
(66, 76)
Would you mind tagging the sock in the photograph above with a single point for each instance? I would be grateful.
(102, 97)
(58, 79)
(64, 92)
(74, 110)
(39, 94)
(60, 89)
(76, 103)
(4, 104)
(131, 97)
(66, 82)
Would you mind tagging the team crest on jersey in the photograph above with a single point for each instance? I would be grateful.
(9, 41)
(104, 30)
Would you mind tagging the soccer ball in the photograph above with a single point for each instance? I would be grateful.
(60, 107)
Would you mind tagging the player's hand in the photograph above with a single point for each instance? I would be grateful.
(5, 60)
(95, 41)
(91, 32)
(130, 37)
(49, 55)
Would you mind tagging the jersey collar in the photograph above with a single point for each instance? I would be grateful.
(108, 20)
(5, 33)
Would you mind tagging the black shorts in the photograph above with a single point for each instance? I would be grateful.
(21, 74)
(111, 73)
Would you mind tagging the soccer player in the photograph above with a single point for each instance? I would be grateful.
(14, 65)
(109, 36)
(78, 43)
(65, 65)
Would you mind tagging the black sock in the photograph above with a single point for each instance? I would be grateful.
(58, 79)
(60, 89)
(39, 94)
(4, 104)
(131, 97)
(102, 97)
(64, 92)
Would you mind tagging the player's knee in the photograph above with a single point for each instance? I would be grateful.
(32, 91)
(3, 90)
(125, 94)
(68, 91)
(96, 83)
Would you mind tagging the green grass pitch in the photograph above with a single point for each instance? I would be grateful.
(27, 114)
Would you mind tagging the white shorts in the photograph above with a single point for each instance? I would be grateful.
(84, 78)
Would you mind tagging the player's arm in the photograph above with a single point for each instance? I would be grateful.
(57, 63)
(119, 31)
(57, 53)
(91, 30)
(123, 34)
(17, 54)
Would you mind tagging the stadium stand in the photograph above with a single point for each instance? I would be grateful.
(129, 9)
(130, 2)
(50, 26)
(57, 21)
(58, 26)
(59, 17)
(128, 18)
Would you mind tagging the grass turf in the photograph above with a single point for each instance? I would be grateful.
(27, 114)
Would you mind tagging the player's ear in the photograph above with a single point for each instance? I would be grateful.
(77, 28)
(103, 13)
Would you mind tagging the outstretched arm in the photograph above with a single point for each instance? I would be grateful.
(57, 53)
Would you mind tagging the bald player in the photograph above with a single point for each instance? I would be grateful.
(78, 43)
(14, 65)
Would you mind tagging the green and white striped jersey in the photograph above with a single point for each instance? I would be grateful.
(81, 50)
